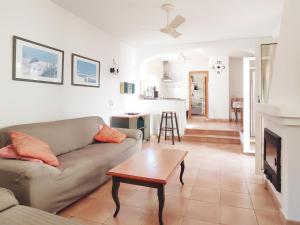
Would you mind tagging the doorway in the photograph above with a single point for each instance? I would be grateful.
(265, 64)
(248, 133)
(252, 101)
(198, 94)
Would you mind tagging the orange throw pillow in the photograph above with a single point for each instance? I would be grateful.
(28, 146)
(109, 135)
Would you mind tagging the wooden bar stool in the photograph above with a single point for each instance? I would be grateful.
(171, 116)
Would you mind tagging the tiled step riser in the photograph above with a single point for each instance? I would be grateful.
(211, 140)
(212, 132)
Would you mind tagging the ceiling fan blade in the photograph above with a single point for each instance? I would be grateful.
(170, 31)
(166, 30)
(177, 21)
(175, 34)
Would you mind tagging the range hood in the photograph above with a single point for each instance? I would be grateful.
(166, 77)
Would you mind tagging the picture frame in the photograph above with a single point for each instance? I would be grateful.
(85, 71)
(36, 62)
(127, 88)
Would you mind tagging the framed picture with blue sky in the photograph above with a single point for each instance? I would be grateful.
(37, 62)
(85, 71)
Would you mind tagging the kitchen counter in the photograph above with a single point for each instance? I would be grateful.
(156, 106)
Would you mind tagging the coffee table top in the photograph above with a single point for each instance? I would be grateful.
(150, 165)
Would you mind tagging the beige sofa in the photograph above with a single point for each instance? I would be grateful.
(83, 163)
(11, 213)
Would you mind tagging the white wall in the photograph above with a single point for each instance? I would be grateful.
(47, 23)
(235, 77)
(151, 72)
(218, 86)
(284, 87)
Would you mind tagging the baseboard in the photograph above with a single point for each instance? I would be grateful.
(283, 219)
(271, 191)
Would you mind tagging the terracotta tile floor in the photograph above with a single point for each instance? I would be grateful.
(220, 188)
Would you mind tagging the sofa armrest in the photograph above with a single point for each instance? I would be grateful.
(26, 169)
(7, 199)
(20, 176)
(131, 133)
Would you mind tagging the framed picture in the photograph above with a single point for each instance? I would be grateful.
(85, 71)
(36, 62)
(127, 88)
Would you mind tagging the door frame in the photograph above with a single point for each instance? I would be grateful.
(259, 134)
(206, 74)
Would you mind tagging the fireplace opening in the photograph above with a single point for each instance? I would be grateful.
(272, 158)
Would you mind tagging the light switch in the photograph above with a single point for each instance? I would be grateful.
(111, 103)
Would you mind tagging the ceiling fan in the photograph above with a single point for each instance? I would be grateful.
(170, 28)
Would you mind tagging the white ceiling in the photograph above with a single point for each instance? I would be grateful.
(137, 21)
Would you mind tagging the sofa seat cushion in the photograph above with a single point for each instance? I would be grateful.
(23, 215)
(7, 199)
(94, 155)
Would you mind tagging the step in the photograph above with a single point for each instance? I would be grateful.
(234, 133)
(212, 138)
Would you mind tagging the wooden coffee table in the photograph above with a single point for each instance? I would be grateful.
(149, 168)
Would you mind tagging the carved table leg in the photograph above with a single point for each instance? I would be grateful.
(114, 192)
(161, 200)
(182, 171)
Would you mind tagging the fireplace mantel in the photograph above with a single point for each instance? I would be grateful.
(281, 115)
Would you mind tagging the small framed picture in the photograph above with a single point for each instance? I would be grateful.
(36, 62)
(127, 88)
(85, 71)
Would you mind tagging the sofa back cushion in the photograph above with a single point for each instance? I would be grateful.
(62, 136)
